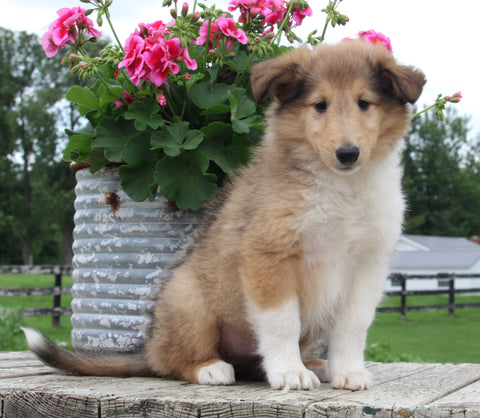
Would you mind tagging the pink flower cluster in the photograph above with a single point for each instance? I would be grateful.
(150, 55)
(223, 30)
(272, 11)
(455, 98)
(69, 26)
(373, 37)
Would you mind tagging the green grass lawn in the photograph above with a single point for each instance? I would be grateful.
(423, 337)
(426, 336)
(42, 323)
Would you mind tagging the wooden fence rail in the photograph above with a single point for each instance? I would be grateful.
(451, 291)
(56, 291)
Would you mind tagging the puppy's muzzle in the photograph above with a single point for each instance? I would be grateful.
(347, 155)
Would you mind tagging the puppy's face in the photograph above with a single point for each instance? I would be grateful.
(345, 104)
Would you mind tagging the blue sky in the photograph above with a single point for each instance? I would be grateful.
(438, 36)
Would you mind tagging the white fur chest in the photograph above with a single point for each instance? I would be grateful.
(343, 214)
(348, 220)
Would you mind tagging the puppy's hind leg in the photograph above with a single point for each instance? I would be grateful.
(185, 336)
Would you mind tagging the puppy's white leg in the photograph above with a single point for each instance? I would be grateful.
(278, 334)
(348, 336)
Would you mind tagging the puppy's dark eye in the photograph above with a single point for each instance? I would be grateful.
(321, 107)
(363, 104)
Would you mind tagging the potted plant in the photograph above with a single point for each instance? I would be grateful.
(167, 116)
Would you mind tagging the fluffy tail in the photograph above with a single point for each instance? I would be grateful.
(126, 365)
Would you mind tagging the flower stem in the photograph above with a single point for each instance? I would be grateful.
(107, 15)
(282, 25)
(207, 46)
(170, 103)
(424, 110)
(331, 8)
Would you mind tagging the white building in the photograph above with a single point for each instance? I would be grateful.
(421, 254)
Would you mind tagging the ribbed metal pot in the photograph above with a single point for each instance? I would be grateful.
(122, 251)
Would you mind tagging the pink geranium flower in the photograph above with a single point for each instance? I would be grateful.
(299, 14)
(134, 60)
(190, 63)
(227, 26)
(67, 28)
(254, 7)
(373, 37)
(203, 33)
(149, 55)
(160, 59)
(223, 30)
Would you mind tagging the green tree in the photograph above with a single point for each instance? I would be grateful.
(33, 178)
(441, 177)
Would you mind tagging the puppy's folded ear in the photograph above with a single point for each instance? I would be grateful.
(402, 81)
(283, 77)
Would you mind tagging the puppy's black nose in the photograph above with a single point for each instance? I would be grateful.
(347, 154)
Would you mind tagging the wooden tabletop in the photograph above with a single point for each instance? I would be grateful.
(30, 389)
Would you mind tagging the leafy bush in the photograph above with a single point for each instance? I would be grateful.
(11, 336)
(383, 354)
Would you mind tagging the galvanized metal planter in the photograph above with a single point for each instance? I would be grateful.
(122, 251)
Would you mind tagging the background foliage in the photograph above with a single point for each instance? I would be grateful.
(442, 163)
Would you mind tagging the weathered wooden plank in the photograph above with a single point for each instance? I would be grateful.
(401, 390)
(36, 291)
(15, 355)
(46, 311)
(27, 404)
(358, 411)
(126, 408)
(408, 393)
(468, 396)
(23, 372)
(25, 269)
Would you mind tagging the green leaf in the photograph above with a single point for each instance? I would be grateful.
(97, 159)
(113, 136)
(108, 95)
(218, 109)
(85, 99)
(241, 106)
(193, 140)
(246, 108)
(240, 62)
(145, 113)
(205, 95)
(243, 126)
(185, 180)
(138, 182)
(80, 145)
(176, 138)
(137, 151)
(223, 147)
(137, 175)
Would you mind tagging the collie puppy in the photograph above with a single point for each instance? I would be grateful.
(299, 247)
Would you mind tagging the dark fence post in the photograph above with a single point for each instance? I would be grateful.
(403, 297)
(57, 299)
(451, 296)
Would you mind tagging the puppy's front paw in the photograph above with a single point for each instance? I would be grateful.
(218, 373)
(352, 380)
(293, 379)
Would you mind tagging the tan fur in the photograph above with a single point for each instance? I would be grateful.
(258, 251)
